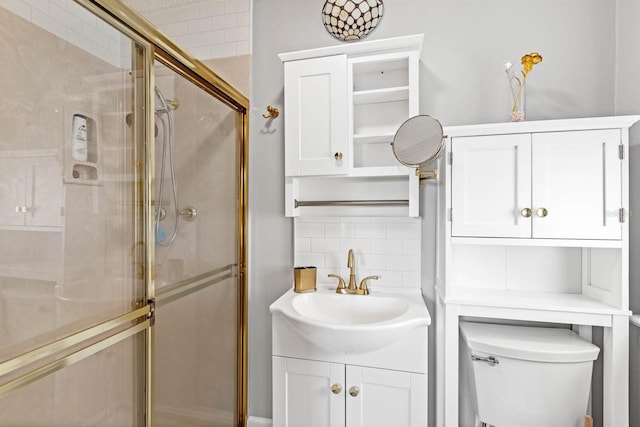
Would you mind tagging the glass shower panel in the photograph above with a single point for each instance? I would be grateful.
(97, 391)
(67, 179)
(69, 255)
(196, 330)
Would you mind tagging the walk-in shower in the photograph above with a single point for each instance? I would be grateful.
(103, 321)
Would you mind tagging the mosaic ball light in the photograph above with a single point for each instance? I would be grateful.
(350, 20)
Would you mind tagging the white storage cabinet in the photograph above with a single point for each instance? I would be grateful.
(533, 226)
(343, 105)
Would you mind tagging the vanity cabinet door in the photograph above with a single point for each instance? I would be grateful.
(315, 99)
(382, 398)
(577, 185)
(308, 393)
(491, 186)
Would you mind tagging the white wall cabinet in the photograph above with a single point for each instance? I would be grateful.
(343, 105)
(313, 393)
(316, 109)
(533, 226)
(30, 190)
(554, 185)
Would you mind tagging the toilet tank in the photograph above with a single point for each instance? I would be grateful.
(528, 376)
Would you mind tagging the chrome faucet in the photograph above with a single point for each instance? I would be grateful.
(351, 288)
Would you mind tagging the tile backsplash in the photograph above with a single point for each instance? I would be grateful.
(386, 247)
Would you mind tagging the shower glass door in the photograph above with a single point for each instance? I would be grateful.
(73, 308)
(196, 357)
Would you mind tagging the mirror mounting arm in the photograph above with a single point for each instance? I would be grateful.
(429, 174)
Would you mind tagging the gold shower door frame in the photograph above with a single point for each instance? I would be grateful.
(151, 45)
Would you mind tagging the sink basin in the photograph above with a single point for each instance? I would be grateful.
(351, 323)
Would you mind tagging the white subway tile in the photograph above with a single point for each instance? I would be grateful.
(403, 263)
(359, 246)
(188, 41)
(411, 279)
(307, 229)
(387, 279)
(342, 230)
(187, 13)
(201, 52)
(355, 219)
(335, 261)
(243, 47)
(162, 17)
(411, 247)
(231, 6)
(200, 25)
(20, 8)
(243, 18)
(303, 244)
(237, 34)
(212, 8)
(371, 262)
(321, 244)
(223, 50)
(403, 231)
(212, 37)
(223, 22)
(48, 24)
(387, 246)
(309, 259)
(370, 230)
(83, 41)
(80, 12)
(174, 29)
(316, 219)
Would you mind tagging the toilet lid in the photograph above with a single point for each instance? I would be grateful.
(528, 343)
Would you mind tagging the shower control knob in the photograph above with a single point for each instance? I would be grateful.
(189, 213)
(354, 391)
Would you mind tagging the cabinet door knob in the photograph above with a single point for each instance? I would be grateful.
(354, 391)
(338, 156)
(525, 212)
(542, 212)
(336, 389)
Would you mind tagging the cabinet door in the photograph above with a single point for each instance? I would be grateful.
(385, 398)
(577, 185)
(303, 396)
(44, 192)
(12, 191)
(316, 116)
(491, 186)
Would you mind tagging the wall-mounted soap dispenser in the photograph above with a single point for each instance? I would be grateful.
(81, 149)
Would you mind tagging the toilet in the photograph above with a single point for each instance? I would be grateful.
(522, 376)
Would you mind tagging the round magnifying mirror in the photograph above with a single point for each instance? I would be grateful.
(419, 140)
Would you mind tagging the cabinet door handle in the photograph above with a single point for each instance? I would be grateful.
(542, 212)
(525, 212)
(338, 156)
(354, 391)
(336, 389)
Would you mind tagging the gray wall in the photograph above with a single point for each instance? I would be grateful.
(586, 71)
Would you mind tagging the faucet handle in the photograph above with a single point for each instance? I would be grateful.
(341, 284)
(364, 290)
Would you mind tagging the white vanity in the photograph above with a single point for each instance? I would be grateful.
(350, 360)
(533, 226)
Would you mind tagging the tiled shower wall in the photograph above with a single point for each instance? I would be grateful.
(72, 23)
(386, 247)
(207, 29)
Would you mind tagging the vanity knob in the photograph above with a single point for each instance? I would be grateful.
(337, 156)
(542, 212)
(354, 391)
(336, 389)
(525, 212)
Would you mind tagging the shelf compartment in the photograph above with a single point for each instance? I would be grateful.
(380, 118)
(375, 96)
(378, 72)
